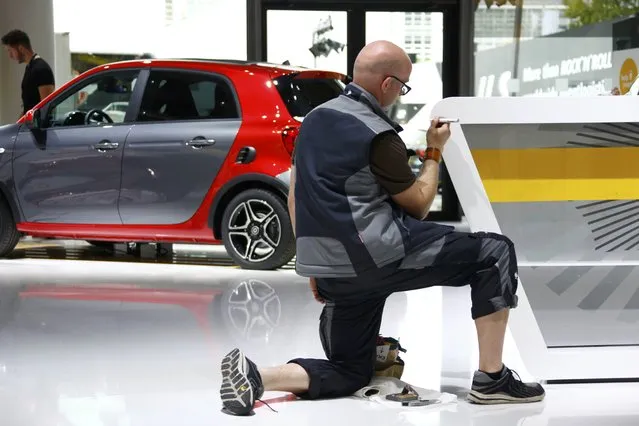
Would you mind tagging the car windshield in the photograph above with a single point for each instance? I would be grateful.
(302, 94)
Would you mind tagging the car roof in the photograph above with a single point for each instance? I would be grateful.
(206, 63)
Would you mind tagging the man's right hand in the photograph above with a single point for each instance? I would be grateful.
(438, 134)
(418, 198)
(316, 294)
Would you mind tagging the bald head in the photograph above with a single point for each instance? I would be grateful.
(375, 67)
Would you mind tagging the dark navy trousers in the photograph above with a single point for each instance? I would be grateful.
(351, 319)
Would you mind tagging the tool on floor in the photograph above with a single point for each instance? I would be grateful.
(420, 402)
(407, 394)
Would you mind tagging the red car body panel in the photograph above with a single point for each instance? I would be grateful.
(197, 303)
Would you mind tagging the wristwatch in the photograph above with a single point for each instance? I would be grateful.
(432, 154)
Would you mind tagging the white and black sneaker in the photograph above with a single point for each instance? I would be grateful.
(241, 384)
(507, 389)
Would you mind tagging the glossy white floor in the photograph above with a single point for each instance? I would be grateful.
(89, 343)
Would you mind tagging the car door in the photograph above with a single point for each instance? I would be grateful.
(68, 170)
(184, 129)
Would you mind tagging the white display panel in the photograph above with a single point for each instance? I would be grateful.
(559, 177)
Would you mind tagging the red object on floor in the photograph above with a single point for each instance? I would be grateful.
(286, 398)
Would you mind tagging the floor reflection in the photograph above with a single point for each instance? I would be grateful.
(90, 344)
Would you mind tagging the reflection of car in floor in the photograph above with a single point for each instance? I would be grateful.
(73, 342)
(162, 151)
(233, 311)
(248, 309)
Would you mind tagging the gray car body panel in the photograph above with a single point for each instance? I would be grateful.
(61, 178)
(164, 180)
(8, 135)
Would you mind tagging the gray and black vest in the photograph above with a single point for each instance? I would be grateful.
(346, 224)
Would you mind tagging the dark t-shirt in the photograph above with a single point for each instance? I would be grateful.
(37, 73)
(389, 163)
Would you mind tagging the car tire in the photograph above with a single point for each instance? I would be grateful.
(260, 238)
(9, 235)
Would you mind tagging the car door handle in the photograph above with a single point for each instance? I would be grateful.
(200, 142)
(106, 146)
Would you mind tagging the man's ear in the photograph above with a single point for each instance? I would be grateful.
(386, 84)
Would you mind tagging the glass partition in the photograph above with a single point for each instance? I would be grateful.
(319, 39)
(563, 49)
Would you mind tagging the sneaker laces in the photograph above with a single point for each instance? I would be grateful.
(516, 382)
(266, 403)
(514, 373)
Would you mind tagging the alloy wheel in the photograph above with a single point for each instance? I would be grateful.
(254, 309)
(254, 230)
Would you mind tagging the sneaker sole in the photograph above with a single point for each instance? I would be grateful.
(493, 399)
(236, 391)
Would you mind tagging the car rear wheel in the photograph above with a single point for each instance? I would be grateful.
(257, 231)
(9, 235)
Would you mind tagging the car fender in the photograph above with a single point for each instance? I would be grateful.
(278, 184)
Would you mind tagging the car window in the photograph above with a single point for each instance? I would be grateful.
(108, 94)
(302, 95)
(180, 95)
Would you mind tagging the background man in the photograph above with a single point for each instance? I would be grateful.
(358, 218)
(38, 81)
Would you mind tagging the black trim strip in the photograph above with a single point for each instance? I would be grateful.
(621, 345)
(591, 381)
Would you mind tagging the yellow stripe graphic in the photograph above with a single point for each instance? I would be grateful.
(559, 174)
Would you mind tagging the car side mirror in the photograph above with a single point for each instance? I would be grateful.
(33, 119)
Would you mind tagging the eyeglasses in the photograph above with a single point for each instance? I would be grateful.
(405, 87)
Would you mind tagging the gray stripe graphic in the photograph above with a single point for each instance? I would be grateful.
(358, 110)
(605, 209)
(585, 145)
(567, 278)
(615, 222)
(615, 230)
(627, 240)
(525, 136)
(328, 327)
(633, 303)
(605, 139)
(605, 130)
(593, 204)
(423, 258)
(630, 314)
(606, 287)
(611, 216)
(614, 240)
